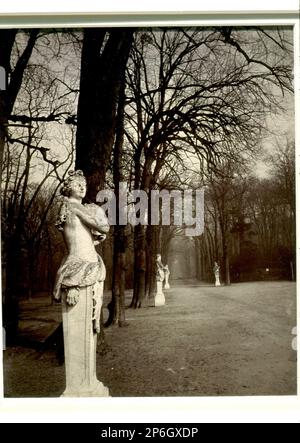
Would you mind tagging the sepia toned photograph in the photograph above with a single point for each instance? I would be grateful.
(148, 211)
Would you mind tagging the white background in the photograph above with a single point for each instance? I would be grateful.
(19, 6)
(211, 410)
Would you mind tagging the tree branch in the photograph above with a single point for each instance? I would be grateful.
(24, 119)
(40, 149)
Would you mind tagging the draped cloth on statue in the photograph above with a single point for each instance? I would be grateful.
(77, 273)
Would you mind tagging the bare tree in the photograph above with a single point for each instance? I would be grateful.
(117, 304)
(15, 73)
(198, 93)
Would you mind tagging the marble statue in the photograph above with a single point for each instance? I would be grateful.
(160, 276)
(79, 286)
(217, 274)
(167, 277)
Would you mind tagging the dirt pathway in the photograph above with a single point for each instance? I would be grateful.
(206, 341)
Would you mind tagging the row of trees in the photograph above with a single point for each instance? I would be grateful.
(251, 221)
(156, 109)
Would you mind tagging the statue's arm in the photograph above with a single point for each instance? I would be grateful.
(90, 221)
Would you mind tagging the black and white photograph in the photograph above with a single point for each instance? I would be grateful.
(148, 211)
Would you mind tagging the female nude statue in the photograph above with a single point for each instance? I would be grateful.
(79, 285)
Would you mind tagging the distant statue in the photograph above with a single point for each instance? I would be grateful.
(160, 269)
(217, 274)
(167, 277)
(79, 285)
(160, 277)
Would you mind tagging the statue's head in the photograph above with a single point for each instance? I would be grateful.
(74, 178)
(158, 257)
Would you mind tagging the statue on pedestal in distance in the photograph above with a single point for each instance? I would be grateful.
(217, 274)
(167, 277)
(160, 276)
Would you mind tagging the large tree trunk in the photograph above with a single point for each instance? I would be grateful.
(199, 259)
(104, 58)
(226, 264)
(152, 250)
(139, 290)
(103, 63)
(143, 181)
(117, 305)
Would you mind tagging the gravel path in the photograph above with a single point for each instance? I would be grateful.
(206, 341)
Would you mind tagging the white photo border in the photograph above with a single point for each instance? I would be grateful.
(159, 410)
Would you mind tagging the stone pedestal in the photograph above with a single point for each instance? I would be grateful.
(160, 298)
(80, 348)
